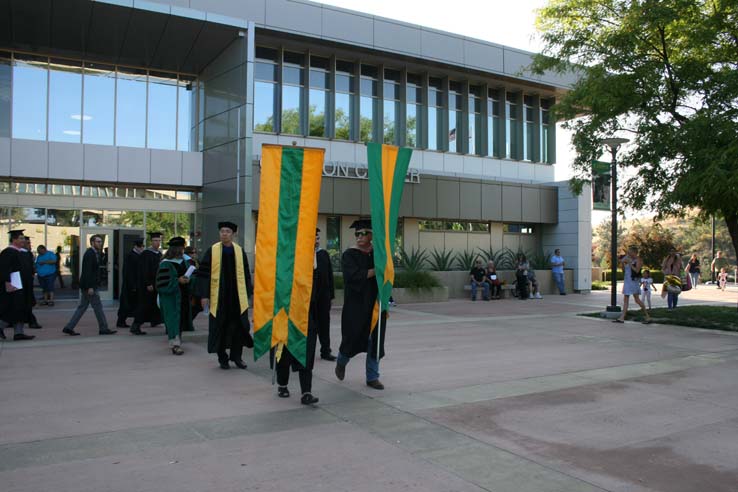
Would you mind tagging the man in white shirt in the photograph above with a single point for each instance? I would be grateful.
(557, 270)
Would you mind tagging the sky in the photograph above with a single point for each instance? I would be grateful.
(511, 23)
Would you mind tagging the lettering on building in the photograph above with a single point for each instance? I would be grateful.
(355, 170)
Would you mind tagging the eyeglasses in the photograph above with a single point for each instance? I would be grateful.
(361, 233)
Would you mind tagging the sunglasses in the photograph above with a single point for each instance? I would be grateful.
(361, 233)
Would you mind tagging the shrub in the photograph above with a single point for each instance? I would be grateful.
(491, 255)
(540, 261)
(441, 261)
(465, 260)
(600, 285)
(338, 282)
(656, 275)
(415, 261)
(415, 281)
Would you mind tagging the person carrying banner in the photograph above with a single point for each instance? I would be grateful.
(148, 265)
(224, 285)
(172, 284)
(15, 301)
(359, 299)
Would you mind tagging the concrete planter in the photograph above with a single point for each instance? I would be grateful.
(408, 296)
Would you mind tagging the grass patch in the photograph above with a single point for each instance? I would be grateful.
(721, 318)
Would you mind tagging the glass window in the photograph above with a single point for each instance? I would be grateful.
(493, 124)
(319, 85)
(92, 218)
(333, 241)
(528, 128)
(265, 94)
(545, 129)
(511, 126)
(185, 114)
(413, 109)
(292, 98)
(6, 77)
(475, 121)
(99, 104)
(130, 129)
(391, 106)
(186, 226)
(436, 109)
(345, 87)
(163, 222)
(65, 102)
(368, 105)
(454, 116)
(30, 83)
(162, 125)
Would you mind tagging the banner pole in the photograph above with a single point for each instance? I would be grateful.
(379, 332)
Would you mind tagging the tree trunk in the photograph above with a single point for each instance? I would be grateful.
(731, 220)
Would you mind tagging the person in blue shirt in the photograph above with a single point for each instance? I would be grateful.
(46, 271)
(557, 270)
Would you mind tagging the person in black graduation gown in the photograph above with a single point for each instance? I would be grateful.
(323, 293)
(28, 280)
(224, 293)
(129, 287)
(15, 304)
(359, 297)
(287, 361)
(148, 265)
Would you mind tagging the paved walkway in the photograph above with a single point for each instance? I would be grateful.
(500, 396)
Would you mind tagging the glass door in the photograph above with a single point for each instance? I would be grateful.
(107, 254)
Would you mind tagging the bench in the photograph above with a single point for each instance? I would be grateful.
(504, 289)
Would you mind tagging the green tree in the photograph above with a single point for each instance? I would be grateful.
(652, 240)
(663, 73)
(602, 240)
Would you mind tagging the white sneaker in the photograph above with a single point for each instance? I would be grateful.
(538, 296)
(530, 296)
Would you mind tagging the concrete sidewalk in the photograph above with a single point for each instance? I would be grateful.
(503, 395)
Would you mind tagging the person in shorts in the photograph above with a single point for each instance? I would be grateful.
(47, 272)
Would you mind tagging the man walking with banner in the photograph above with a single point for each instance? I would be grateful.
(368, 270)
(285, 255)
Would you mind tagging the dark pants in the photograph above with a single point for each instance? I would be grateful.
(494, 289)
(234, 338)
(323, 315)
(283, 373)
(85, 301)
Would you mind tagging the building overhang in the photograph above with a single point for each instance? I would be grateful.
(145, 35)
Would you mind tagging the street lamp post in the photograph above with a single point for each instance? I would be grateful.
(614, 144)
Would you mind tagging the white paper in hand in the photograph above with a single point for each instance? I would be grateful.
(15, 280)
(189, 271)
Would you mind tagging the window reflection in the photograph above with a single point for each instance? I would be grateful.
(345, 88)
(475, 121)
(130, 125)
(99, 103)
(29, 99)
(319, 86)
(162, 124)
(454, 116)
(368, 104)
(391, 106)
(413, 109)
(436, 105)
(185, 117)
(65, 103)
(511, 127)
(6, 76)
(293, 80)
(265, 89)
(493, 123)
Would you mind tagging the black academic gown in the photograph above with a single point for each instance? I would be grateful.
(323, 293)
(129, 288)
(15, 307)
(359, 296)
(229, 317)
(147, 310)
(27, 273)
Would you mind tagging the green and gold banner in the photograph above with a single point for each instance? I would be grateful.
(285, 247)
(387, 170)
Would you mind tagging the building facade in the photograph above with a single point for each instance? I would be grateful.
(126, 116)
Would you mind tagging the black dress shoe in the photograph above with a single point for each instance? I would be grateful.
(340, 371)
(22, 336)
(35, 326)
(376, 384)
(283, 392)
(240, 364)
(70, 332)
(308, 399)
(137, 332)
(122, 324)
(329, 357)
(108, 332)
(224, 365)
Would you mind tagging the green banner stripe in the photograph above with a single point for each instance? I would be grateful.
(290, 187)
(297, 343)
(376, 178)
(263, 340)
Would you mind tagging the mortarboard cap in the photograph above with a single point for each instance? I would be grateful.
(362, 224)
(229, 225)
(176, 241)
(16, 233)
(138, 242)
(155, 235)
